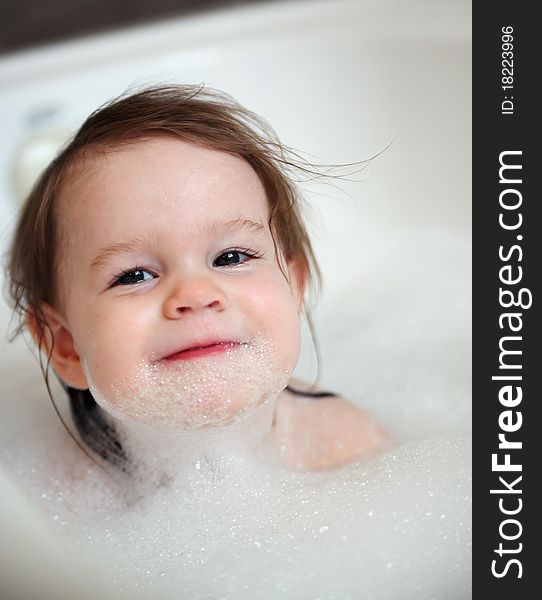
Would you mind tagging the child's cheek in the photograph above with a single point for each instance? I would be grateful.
(270, 300)
(272, 308)
(117, 341)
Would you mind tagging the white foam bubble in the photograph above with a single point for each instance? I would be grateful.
(233, 528)
(227, 525)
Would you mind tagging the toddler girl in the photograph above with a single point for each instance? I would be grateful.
(160, 263)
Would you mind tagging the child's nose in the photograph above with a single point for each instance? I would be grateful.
(192, 295)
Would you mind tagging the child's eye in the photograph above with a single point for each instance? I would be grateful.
(132, 276)
(234, 257)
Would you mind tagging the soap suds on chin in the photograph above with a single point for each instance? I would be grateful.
(196, 393)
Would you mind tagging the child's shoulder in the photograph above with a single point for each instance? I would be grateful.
(318, 430)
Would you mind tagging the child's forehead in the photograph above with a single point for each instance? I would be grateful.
(164, 174)
(157, 157)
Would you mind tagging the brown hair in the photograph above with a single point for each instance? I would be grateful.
(190, 113)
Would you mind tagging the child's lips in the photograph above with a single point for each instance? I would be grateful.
(200, 350)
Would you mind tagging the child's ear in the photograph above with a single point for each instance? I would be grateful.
(64, 358)
(298, 272)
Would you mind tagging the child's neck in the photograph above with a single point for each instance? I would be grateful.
(167, 453)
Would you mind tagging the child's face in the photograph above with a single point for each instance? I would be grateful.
(188, 227)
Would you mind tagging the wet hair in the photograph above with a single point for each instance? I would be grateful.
(194, 114)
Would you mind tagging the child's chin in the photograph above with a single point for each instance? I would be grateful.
(214, 412)
(174, 404)
(197, 394)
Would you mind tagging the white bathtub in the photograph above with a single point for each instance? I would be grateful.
(340, 81)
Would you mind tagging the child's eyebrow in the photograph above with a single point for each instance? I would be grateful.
(234, 225)
(111, 250)
(137, 243)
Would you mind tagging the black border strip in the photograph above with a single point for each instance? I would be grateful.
(499, 128)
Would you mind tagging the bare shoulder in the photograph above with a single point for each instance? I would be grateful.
(324, 430)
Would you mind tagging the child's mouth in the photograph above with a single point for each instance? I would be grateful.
(201, 351)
